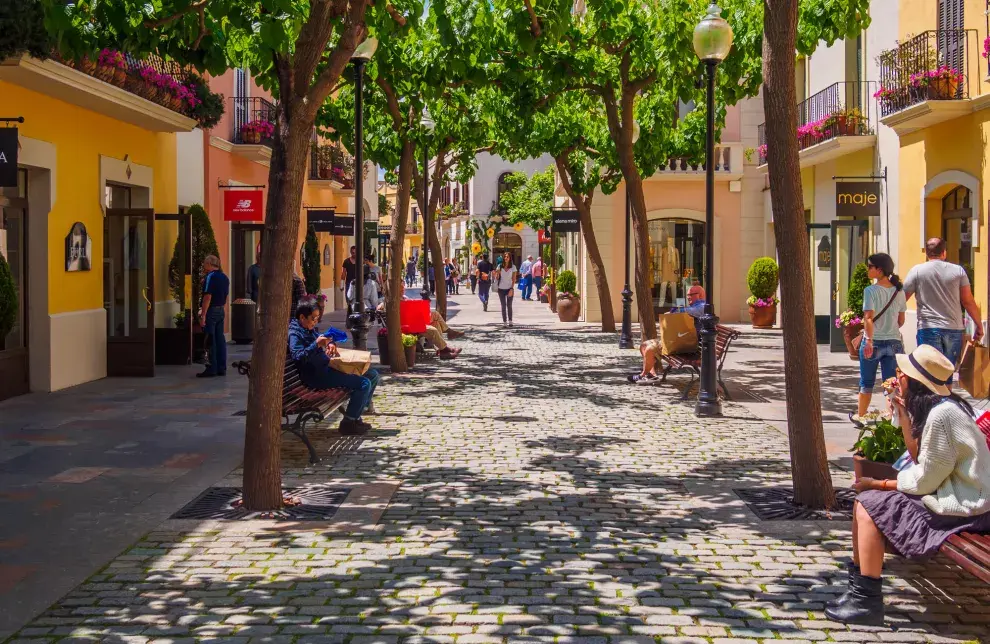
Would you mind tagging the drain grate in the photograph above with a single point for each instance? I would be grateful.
(315, 503)
(777, 504)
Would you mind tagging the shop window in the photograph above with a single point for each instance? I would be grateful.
(503, 187)
(13, 247)
(677, 259)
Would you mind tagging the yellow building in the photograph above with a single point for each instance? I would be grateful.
(95, 163)
(414, 225)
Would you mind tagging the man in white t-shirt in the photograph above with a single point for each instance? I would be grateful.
(505, 277)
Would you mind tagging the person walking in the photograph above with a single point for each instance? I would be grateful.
(526, 277)
(473, 274)
(537, 272)
(447, 271)
(216, 287)
(484, 279)
(433, 280)
(254, 278)
(883, 315)
(350, 274)
(506, 276)
(410, 272)
(943, 291)
(455, 277)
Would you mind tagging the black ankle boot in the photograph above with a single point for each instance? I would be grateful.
(851, 569)
(864, 605)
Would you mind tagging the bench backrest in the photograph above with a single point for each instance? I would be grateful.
(291, 381)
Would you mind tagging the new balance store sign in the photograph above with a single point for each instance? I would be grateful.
(243, 205)
(860, 198)
(8, 157)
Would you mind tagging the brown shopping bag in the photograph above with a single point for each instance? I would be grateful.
(351, 361)
(677, 333)
(974, 370)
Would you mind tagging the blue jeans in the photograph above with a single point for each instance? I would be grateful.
(948, 341)
(538, 284)
(217, 343)
(527, 287)
(362, 387)
(883, 354)
(483, 287)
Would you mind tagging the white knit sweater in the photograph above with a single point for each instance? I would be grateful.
(953, 469)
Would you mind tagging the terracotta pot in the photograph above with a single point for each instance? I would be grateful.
(119, 77)
(943, 89)
(383, 355)
(872, 469)
(410, 356)
(763, 317)
(848, 333)
(568, 307)
(104, 73)
(252, 137)
(86, 65)
(324, 173)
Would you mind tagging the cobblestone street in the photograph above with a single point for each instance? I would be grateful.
(532, 495)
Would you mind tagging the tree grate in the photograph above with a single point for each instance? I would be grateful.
(777, 504)
(314, 503)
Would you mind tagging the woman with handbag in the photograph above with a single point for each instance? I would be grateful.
(884, 305)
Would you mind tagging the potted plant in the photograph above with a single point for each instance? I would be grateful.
(938, 84)
(111, 67)
(762, 279)
(324, 158)
(409, 346)
(254, 132)
(383, 355)
(205, 106)
(8, 301)
(851, 320)
(568, 301)
(851, 324)
(877, 448)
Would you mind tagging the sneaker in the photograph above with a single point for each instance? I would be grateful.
(856, 420)
(448, 353)
(453, 335)
(485, 306)
(510, 323)
(648, 379)
(349, 427)
(206, 374)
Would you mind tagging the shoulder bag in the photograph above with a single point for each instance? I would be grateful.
(858, 340)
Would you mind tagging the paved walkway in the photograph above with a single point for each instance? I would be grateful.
(519, 493)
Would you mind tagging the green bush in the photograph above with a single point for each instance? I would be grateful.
(857, 284)
(567, 282)
(8, 300)
(309, 258)
(203, 244)
(408, 340)
(22, 29)
(763, 278)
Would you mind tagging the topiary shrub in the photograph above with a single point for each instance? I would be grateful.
(8, 300)
(309, 257)
(567, 282)
(203, 245)
(857, 284)
(763, 278)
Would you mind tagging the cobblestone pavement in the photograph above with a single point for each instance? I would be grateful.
(540, 499)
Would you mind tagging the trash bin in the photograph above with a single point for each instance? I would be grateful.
(242, 314)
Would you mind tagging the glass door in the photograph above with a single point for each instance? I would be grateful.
(128, 291)
(173, 284)
(820, 247)
(850, 246)
(13, 313)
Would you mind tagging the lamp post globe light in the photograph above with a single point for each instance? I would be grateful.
(358, 320)
(625, 335)
(712, 41)
(428, 125)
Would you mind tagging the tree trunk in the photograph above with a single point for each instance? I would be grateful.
(641, 240)
(436, 257)
(396, 353)
(583, 205)
(809, 462)
(262, 481)
(432, 237)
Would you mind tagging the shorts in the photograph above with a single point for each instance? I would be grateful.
(655, 346)
(884, 352)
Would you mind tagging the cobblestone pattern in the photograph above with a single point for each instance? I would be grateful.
(541, 500)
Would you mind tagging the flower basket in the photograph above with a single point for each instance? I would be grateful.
(763, 317)
(943, 89)
(251, 137)
(86, 65)
(849, 332)
(120, 78)
(104, 73)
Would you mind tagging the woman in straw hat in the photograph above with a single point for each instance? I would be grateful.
(946, 491)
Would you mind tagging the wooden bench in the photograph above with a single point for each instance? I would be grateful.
(972, 552)
(302, 402)
(691, 362)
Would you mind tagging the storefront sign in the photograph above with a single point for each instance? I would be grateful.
(543, 236)
(8, 157)
(857, 198)
(243, 205)
(566, 221)
(370, 230)
(343, 225)
(78, 248)
(825, 254)
(320, 219)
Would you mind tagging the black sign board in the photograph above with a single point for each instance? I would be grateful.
(370, 229)
(320, 219)
(860, 198)
(343, 225)
(8, 157)
(825, 254)
(566, 221)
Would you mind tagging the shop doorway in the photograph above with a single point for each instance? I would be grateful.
(850, 245)
(173, 274)
(677, 260)
(957, 229)
(507, 243)
(820, 246)
(128, 287)
(14, 359)
(244, 249)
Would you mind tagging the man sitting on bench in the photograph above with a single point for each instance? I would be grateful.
(651, 350)
(310, 351)
(435, 330)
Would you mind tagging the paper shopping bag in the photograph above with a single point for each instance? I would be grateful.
(677, 333)
(974, 370)
(351, 361)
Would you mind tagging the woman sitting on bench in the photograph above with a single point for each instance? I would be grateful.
(945, 492)
(309, 350)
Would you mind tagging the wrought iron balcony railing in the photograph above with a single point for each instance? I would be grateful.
(933, 66)
(254, 121)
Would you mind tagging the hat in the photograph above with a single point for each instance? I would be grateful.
(929, 367)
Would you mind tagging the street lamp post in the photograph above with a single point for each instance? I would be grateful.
(625, 335)
(712, 41)
(359, 323)
(427, 124)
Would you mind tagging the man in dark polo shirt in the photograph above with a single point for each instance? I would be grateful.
(216, 286)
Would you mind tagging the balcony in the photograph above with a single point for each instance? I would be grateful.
(926, 80)
(330, 165)
(728, 166)
(253, 128)
(452, 210)
(832, 123)
(150, 94)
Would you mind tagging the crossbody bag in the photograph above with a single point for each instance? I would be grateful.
(858, 340)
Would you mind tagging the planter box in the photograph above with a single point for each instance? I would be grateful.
(410, 356)
(872, 469)
(383, 355)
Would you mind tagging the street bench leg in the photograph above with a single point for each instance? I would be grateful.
(298, 429)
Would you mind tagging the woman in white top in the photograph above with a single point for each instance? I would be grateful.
(505, 280)
(946, 491)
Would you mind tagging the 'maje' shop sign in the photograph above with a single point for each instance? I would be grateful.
(857, 198)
